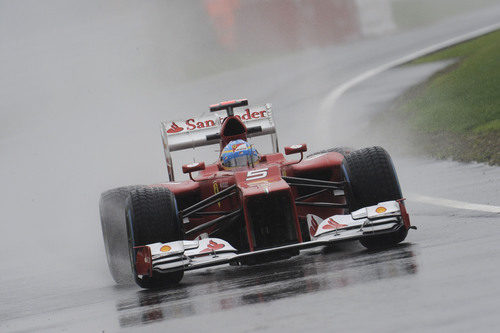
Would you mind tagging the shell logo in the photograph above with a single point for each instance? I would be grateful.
(380, 210)
(165, 248)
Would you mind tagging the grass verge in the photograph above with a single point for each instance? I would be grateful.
(456, 113)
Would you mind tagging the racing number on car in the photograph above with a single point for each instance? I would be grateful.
(257, 174)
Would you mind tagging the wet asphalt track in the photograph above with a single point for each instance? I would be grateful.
(443, 278)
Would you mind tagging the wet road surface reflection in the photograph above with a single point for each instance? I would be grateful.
(227, 287)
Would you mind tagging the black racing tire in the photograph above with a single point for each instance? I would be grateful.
(152, 217)
(114, 232)
(342, 150)
(371, 178)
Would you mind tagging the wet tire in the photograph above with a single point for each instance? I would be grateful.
(371, 178)
(152, 217)
(114, 231)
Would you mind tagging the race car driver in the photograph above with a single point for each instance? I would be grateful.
(239, 154)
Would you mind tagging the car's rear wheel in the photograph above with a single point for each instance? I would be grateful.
(371, 178)
(114, 231)
(152, 217)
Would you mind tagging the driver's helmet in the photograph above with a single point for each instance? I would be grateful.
(239, 153)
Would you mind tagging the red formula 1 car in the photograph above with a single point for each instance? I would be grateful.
(248, 208)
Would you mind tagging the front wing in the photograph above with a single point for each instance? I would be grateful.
(385, 217)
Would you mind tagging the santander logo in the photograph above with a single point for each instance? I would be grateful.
(333, 225)
(193, 123)
(212, 246)
(314, 226)
(174, 128)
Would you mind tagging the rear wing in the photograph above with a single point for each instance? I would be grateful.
(205, 130)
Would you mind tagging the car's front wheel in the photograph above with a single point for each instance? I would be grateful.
(114, 231)
(371, 178)
(152, 217)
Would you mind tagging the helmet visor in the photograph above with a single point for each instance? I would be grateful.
(242, 161)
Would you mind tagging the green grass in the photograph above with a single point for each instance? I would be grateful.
(462, 102)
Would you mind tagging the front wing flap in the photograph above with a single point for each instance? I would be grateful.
(188, 255)
(383, 216)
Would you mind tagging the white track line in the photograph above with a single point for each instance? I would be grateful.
(335, 94)
(453, 203)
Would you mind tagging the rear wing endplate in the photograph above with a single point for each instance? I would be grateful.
(205, 130)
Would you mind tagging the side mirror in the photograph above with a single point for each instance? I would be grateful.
(189, 168)
(295, 149)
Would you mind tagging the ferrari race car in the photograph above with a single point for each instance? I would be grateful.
(247, 208)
